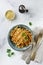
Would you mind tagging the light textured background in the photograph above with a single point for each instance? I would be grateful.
(35, 15)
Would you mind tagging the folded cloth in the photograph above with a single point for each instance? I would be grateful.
(27, 54)
(39, 54)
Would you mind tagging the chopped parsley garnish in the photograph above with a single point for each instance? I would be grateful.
(30, 23)
(26, 39)
(12, 53)
(9, 52)
(23, 34)
(9, 55)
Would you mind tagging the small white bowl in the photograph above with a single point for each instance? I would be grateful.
(10, 15)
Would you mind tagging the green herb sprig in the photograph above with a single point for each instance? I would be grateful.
(26, 37)
(9, 52)
(23, 34)
(30, 23)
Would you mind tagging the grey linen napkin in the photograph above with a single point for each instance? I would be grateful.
(27, 54)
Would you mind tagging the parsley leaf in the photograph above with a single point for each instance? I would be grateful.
(9, 55)
(8, 50)
(12, 53)
(30, 23)
(26, 38)
(23, 34)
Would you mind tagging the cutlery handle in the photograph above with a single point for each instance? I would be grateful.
(33, 54)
